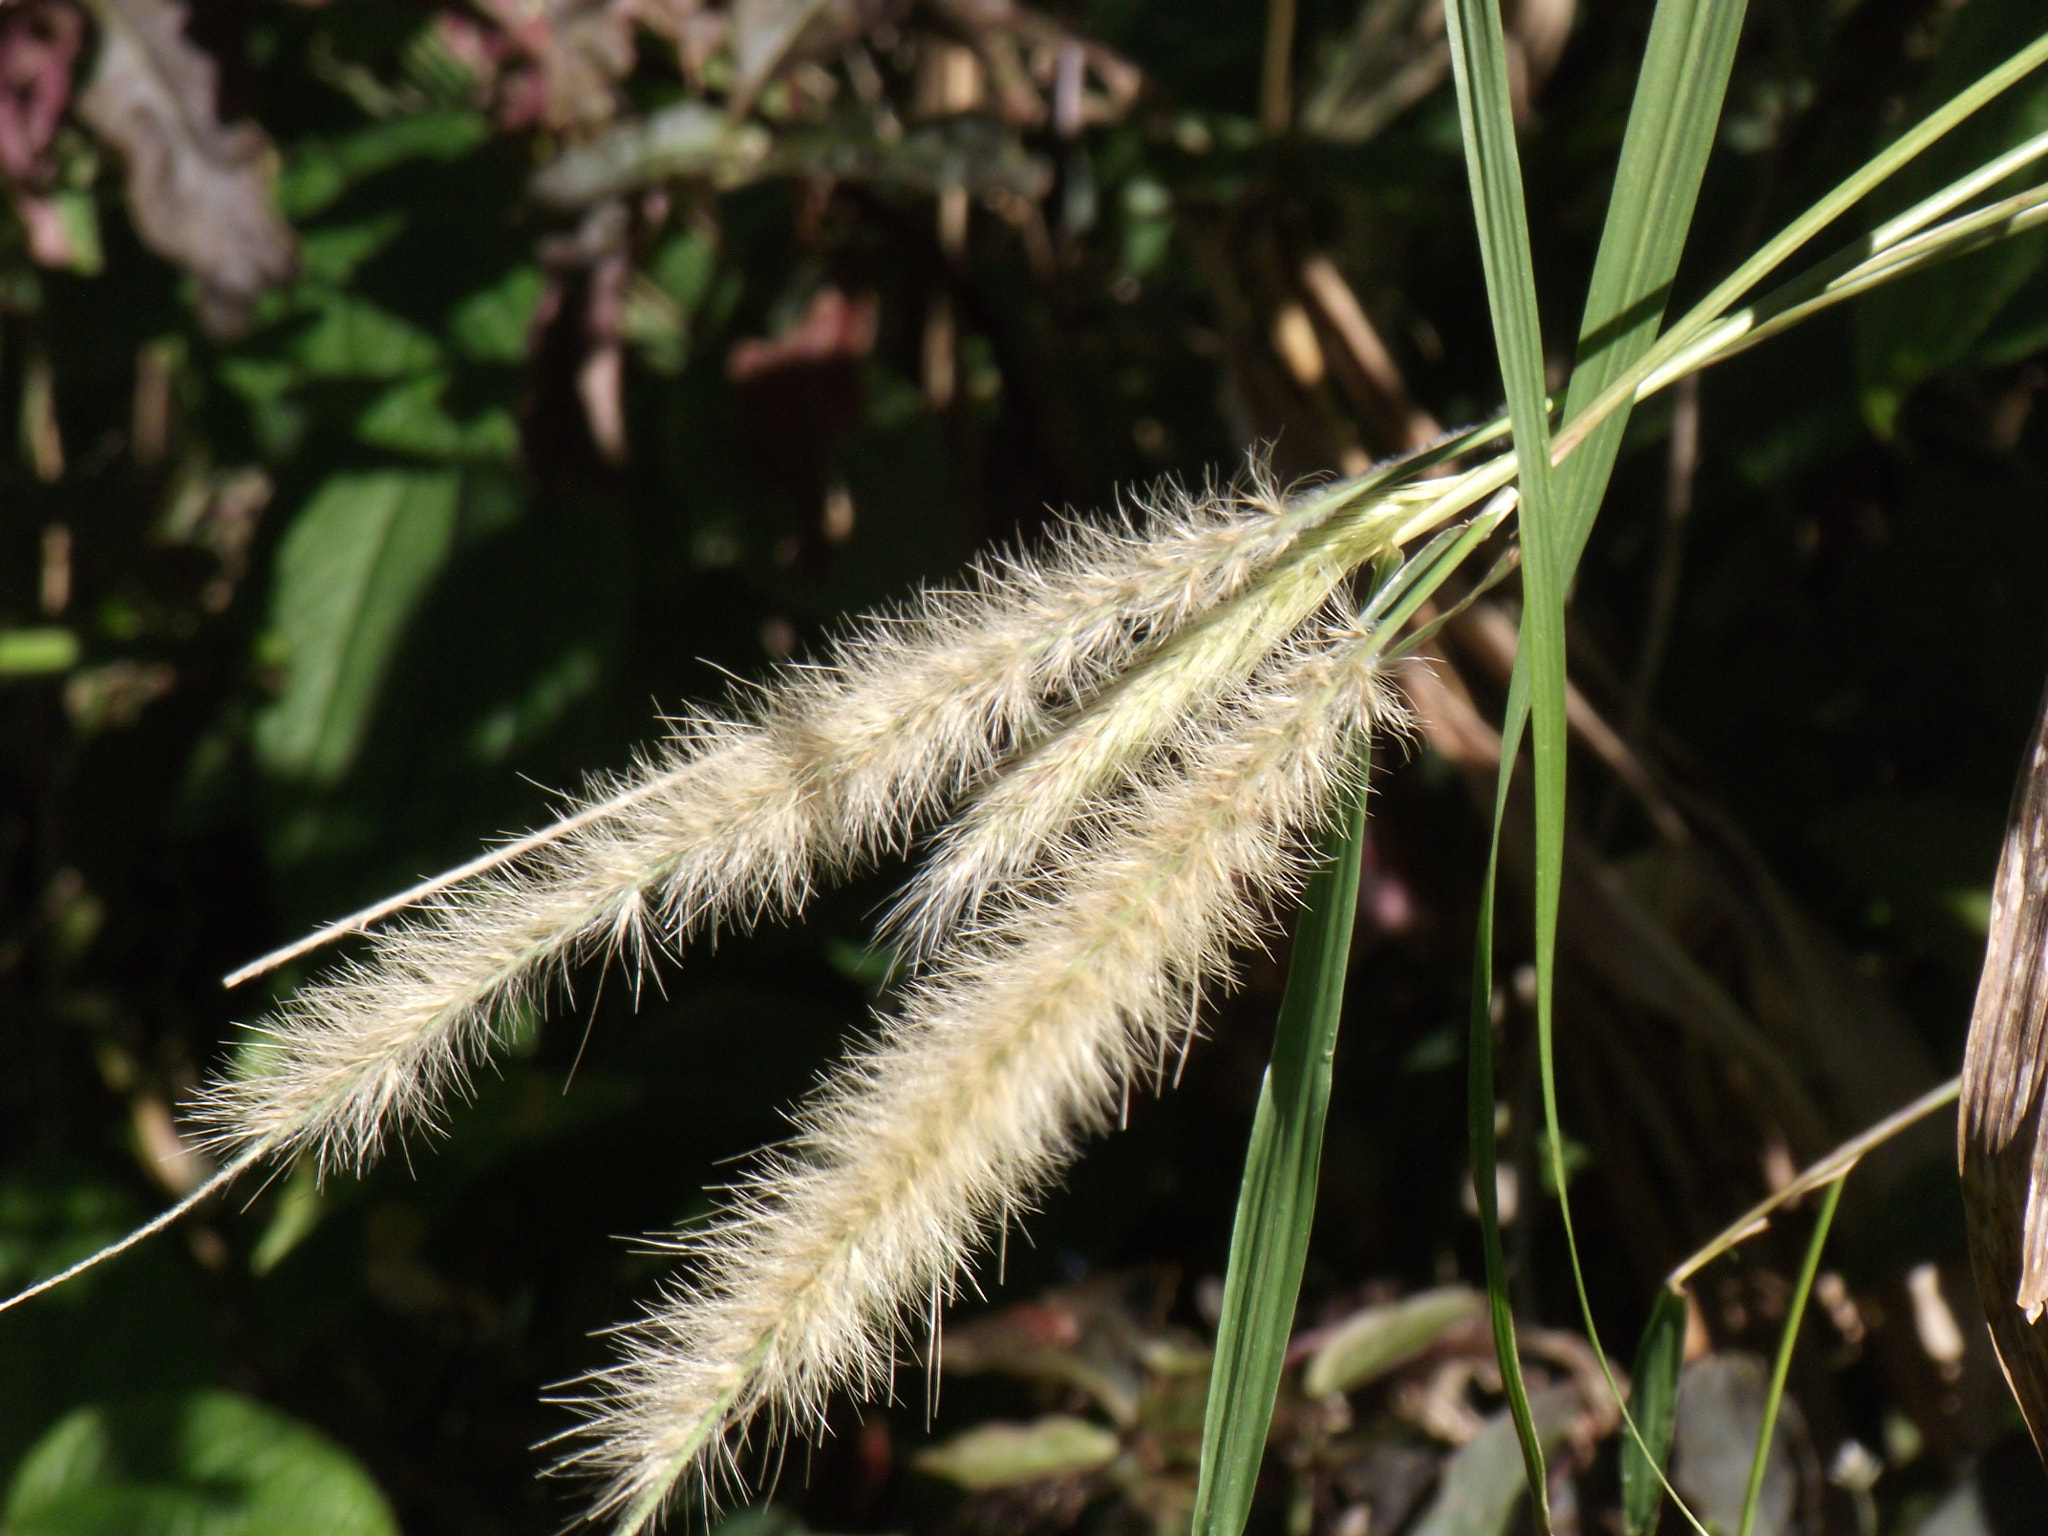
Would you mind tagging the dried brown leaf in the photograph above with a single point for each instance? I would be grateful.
(2003, 1151)
(199, 190)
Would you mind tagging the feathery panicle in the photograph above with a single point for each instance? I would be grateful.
(973, 1096)
(1000, 835)
(833, 765)
(378, 1044)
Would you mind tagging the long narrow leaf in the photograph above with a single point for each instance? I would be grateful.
(1269, 1239)
(1664, 153)
(1672, 122)
(1485, 1186)
(1486, 119)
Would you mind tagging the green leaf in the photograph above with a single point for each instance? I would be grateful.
(655, 325)
(410, 418)
(1693, 329)
(572, 676)
(200, 1464)
(1653, 1404)
(1486, 121)
(492, 326)
(33, 652)
(1656, 185)
(1480, 1127)
(350, 572)
(300, 1207)
(49, 1223)
(193, 1465)
(320, 170)
(1918, 328)
(1004, 1455)
(1276, 1205)
(1369, 1344)
(329, 257)
(2017, 331)
(683, 266)
(351, 338)
(1914, 330)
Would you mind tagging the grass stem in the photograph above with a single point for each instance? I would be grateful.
(1795, 1310)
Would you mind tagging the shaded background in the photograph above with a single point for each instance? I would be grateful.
(409, 404)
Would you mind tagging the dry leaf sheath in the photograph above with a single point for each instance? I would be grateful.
(2003, 1151)
(1133, 733)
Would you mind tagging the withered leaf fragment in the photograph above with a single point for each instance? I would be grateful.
(2002, 1140)
(199, 190)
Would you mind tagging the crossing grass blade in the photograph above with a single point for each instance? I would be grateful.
(1581, 423)
(1269, 1239)
(1664, 152)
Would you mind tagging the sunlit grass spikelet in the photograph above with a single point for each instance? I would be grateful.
(974, 1094)
(1002, 833)
(832, 765)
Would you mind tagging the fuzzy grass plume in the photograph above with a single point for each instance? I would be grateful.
(1125, 741)
(973, 1096)
(740, 815)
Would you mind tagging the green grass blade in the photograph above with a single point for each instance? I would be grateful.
(1664, 154)
(1653, 1404)
(1671, 125)
(1851, 272)
(1486, 120)
(1479, 1104)
(1269, 1239)
(1581, 422)
(1795, 1312)
(1875, 172)
(1671, 128)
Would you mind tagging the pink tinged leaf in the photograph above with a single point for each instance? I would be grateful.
(49, 235)
(38, 43)
(834, 327)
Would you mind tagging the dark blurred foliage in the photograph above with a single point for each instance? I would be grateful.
(410, 404)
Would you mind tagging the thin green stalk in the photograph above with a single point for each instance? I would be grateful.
(1782, 1366)
(1836, 281)
(1664, 153)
